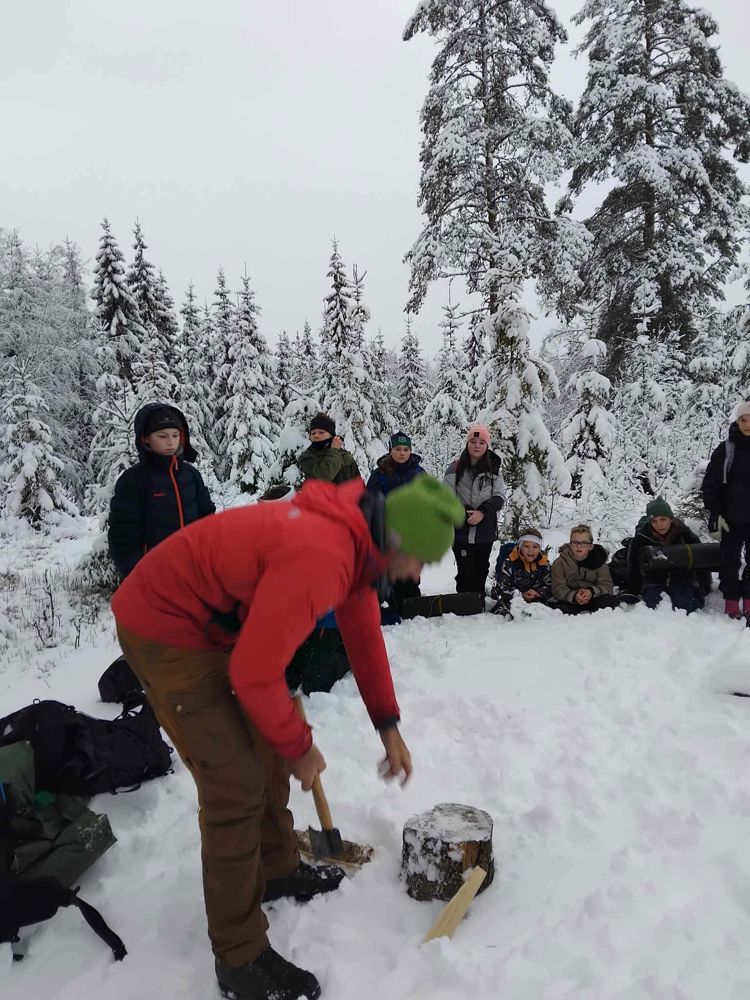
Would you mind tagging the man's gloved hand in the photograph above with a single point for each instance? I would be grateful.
(717, 525)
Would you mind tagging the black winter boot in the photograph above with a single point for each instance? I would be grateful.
(269, 977)
(304, 882)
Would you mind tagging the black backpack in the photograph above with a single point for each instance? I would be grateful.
(80, 755)
(119, 684)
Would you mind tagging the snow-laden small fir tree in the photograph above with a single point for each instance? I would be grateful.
(445, 419)
(29, 468)
(116, 308)
(588, 432)
(251, 391)
(514, 382)
(412, 384)
(286, 377)
(343, 385)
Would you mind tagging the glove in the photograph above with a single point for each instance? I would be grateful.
(717, 526)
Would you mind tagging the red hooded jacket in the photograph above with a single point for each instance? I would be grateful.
(278, 567)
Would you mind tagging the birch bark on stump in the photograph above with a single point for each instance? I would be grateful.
(442, 844)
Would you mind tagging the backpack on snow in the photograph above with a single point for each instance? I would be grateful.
(119, 684)
(618, 564)
(80, 755)
(46, 843)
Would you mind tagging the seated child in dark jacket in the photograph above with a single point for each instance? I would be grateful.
(687, 588)
(161, 493)
(524, 569)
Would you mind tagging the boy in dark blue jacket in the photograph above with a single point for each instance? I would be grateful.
(522, 568)
(159, 495)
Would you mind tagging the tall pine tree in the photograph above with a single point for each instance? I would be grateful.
(251, 392)
(656, 127)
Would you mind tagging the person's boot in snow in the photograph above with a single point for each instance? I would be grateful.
(732, 608)
(304, 882)
(269, 977)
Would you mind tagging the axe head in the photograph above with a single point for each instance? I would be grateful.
(325, 843)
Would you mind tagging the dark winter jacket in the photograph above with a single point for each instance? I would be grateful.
(478, 490)
(154, 498)
(389, 475)
(726, 484)
(678, 534)
(514, 575)
(570, 576)
(333, 465)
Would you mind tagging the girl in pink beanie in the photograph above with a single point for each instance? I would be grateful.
(476, 479)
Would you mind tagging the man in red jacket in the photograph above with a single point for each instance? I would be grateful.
(209, 621)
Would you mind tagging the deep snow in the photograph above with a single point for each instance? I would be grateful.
(608, 752)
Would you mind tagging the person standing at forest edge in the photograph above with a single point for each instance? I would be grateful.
(209, 621)
(726, 497)
(395, 469)
(477, 481)
(161, 493)
(326, 458)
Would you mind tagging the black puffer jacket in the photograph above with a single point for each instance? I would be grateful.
(154, 498)
(726, 484)
(389, 475)
(678, 534)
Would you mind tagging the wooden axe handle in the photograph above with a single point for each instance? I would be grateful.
(453, 912)
(319, 796)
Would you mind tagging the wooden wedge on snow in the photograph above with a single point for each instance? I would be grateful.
(453, 912)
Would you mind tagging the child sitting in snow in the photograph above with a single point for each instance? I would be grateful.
(581, 581)
(521, 568)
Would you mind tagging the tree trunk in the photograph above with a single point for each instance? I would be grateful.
(441, 845)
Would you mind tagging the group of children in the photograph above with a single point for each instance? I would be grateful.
(580, 581)
(164, 491)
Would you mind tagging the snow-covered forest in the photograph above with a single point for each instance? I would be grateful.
(622, 399)
(590, 257)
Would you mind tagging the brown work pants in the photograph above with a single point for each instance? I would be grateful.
(247, 831)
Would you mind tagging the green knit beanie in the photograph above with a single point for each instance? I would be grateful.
(422, 517)
(658, 508)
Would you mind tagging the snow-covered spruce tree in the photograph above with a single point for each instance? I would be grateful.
(292, 440)
(514, 383)
(286, 376)
(306, 359)
(251, 391)
(712, 388)
(116, 308)
(194, 379)
(223, 333)
(30, 469)
(359, 313)
(656, 129)
(588, 431)
(494, 135)
(16, 294)
(412, 384)
(445, 419)
(154, 365)
(375, 388)
(343, 385)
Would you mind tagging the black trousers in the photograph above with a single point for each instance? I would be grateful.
(401, 591)
(733, 543)
(473, 567)
(595, 604)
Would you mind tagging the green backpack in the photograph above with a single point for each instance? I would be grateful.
(47, 842)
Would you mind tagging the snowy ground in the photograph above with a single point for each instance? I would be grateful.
(608, 751)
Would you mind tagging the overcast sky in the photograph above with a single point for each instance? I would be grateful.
(238, 132)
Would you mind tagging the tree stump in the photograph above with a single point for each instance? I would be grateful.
(442, 844)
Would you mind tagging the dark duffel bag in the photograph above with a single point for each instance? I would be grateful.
(443, 604)
(660, 560)
(119, 684)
